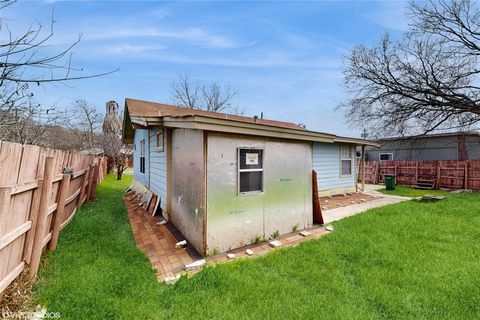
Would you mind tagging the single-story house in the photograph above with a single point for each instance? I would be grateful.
(225, 180)
(442, 146)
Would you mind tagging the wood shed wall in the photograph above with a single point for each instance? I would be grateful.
(286, 201)
(188, 185)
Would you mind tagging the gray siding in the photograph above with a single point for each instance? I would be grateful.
(431, 148)
(140, 134)
(326, 162)
(158, 167)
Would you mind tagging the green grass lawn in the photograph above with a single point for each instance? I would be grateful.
(405, 261)
(412, 192)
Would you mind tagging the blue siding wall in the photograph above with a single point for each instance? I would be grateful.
(326, 162)
(158, 167)
(140, 177)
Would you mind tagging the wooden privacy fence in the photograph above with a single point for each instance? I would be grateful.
(447, 174)
(40, 191)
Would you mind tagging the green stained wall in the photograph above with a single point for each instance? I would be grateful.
(235, 220)
(188, 185)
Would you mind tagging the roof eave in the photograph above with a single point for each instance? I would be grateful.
(232, 126)
(356, 141)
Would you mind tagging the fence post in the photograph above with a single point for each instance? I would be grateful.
(42, 216)
(466, 175)
(89, 183)
(416, 171)
(57, 222)
(84, 185)
(439, 175)
(363, 168)
(29, 238)
(93, 180)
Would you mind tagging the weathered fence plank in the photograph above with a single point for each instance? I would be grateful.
(447, 174)
(36, 203)
(58, 219)
(42, 216)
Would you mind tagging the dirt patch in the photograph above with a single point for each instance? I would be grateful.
(18, 295)
(345, 200)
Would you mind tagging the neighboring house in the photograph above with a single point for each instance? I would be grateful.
(225, 180)
(446, 146)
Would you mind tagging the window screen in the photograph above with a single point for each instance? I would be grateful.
(250, 170)
(160, 141)
(385, 156)
(345, 160)
(142, 156)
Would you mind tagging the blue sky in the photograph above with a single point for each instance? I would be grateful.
(284, 58)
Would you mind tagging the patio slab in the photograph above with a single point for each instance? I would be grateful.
(377, 199)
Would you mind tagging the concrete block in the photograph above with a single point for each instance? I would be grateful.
(275, 243)
(231, 255)
(181, 244)
(196, 264)
(171, 280)
(305, 233)
(249, 252)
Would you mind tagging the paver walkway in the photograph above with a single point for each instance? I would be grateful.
(158, 241)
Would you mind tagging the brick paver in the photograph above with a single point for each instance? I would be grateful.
(346, 200)
(158, 243)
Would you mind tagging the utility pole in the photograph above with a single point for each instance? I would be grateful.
(364, 134)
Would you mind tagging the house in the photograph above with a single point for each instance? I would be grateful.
(226, 180)
(444, 146)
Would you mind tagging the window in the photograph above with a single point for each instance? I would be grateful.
(250, 171)
(160, 141)
(142, 156)
(385, 156)
(345, 160)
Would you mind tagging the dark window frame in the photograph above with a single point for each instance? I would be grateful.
(142, 156)
(344, 159)
(243, 170)
(160, 141)
(385, 153)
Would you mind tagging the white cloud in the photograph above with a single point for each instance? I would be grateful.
(391, 15)
(195, 35)
(126, 49)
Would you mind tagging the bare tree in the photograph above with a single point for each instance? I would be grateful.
(25, 62)
(425, 82)
(28, 123)
(117, 153)
(85, 122)
(210, 97)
